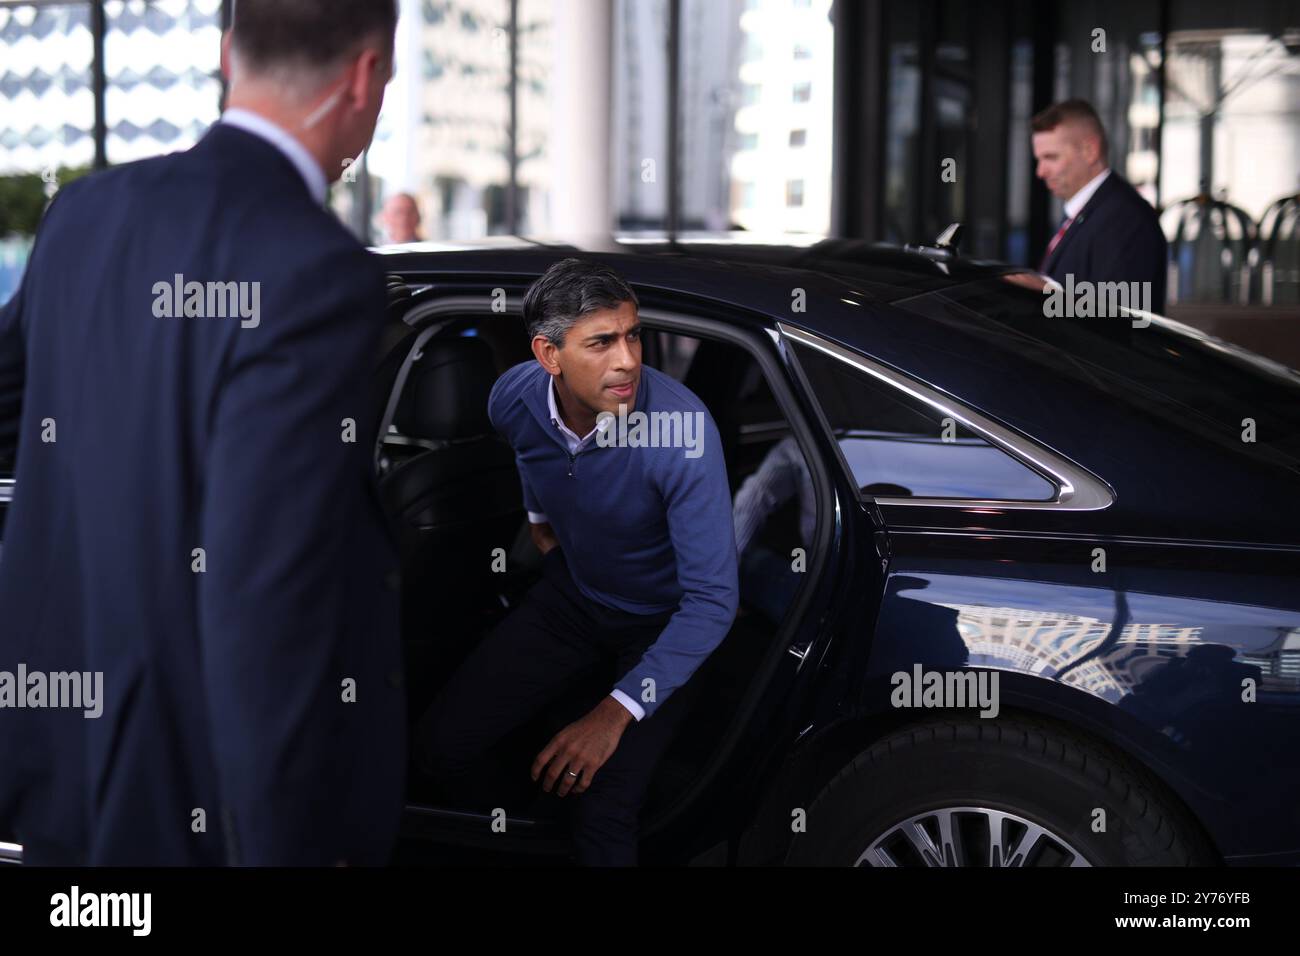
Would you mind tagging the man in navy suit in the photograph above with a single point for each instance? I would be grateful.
(195, 528)
(1110, 233)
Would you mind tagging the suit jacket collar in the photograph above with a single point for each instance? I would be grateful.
(1076, 203)
(286, 143)
(254, 153)
(1107, 189)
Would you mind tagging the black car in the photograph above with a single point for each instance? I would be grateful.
(1047, 610)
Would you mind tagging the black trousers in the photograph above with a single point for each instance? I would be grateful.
(550, 647)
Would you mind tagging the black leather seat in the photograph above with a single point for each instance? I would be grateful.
(456, 496)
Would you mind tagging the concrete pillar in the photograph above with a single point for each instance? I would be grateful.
(580, 146)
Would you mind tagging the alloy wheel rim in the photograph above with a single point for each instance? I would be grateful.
(970, 836)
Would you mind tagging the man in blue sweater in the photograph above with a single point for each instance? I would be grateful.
(628, 501)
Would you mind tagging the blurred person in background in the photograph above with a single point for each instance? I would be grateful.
(400, 219)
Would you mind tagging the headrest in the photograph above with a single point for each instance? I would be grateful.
(446, 394)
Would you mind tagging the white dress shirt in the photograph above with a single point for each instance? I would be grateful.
(1074, 205)
(282, 140)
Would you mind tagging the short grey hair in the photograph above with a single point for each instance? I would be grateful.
(569, 290)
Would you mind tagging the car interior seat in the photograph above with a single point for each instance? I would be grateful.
(457, 497)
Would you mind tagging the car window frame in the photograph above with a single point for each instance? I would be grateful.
(804, 633)
(434, 309)
(1077, 489)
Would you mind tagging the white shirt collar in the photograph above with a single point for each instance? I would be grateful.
(282, 140)
(570, 436)
(1074, 205)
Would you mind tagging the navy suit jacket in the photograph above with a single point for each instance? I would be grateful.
(1115, 238)
(252, 707)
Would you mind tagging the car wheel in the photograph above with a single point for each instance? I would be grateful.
(1011, 792)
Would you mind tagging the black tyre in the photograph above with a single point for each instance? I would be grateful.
(1008, 792)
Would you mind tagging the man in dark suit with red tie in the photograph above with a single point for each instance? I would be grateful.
(1109, 233)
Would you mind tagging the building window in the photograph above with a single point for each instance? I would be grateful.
(432, 67)
(794, 193)
(798, 137)
(733, 124)
(802, 52)
(802, 92)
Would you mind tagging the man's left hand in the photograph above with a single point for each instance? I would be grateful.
(575, 754)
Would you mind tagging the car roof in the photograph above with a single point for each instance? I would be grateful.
(880, 272)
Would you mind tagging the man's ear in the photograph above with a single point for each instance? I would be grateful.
(1098, 153)
(226, 39)
(365, 74)
(1090, 146)
(544, 351)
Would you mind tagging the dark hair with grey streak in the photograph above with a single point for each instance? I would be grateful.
(569, 290)
(307, 34)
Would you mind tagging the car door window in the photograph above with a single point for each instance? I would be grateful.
(896, 446)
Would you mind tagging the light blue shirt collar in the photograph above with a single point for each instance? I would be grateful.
(281, 139)
(570, 436)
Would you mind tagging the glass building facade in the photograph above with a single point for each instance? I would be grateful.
(880, 119)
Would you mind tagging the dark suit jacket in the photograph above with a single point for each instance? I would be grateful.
(1116, 238)
(223, 687)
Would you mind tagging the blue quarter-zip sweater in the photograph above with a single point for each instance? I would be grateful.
(644, 529)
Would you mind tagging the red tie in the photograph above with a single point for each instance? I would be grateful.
(1055, 240)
